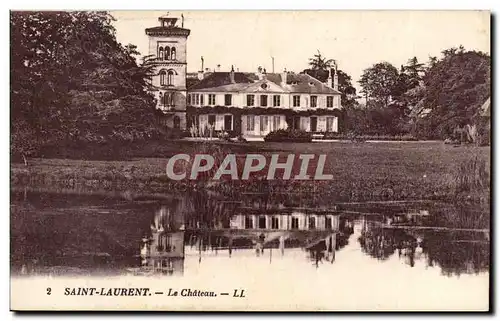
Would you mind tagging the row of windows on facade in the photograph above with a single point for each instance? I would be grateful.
(265, 121)
(199, 99)
(262, 223)
(166, 53)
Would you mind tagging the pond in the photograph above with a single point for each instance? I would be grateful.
(408, 247)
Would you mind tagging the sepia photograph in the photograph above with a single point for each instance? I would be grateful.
(250, 160)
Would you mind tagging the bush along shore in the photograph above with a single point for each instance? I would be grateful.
(367, 176)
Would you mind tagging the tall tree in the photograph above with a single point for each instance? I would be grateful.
(380, 82)
(69, 77)
(319, 62)
(455, 88)
(321, 67)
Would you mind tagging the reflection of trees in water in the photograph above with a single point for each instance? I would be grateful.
(346, 229)
(477, 216)
(207, 210)
(454, 252)
(457, 253)
(379, 243)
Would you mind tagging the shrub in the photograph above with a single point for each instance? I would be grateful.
(351, 136)
(288, 135)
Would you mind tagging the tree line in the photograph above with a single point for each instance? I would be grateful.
(74, 84)
(433, 100)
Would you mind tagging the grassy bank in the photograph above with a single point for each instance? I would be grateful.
(361, 171)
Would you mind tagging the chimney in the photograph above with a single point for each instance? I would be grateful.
(200, 75)
(231, 75)
(284, 77)
(259, 73)
(329, 80)
(336, 80)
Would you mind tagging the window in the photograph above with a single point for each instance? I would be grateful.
(262, 222)
(167, 53)
(168, 241)
(329, 101)
(276, 100)
(312, 223)
(202, 99)
(263, 100)
(228, 122)
(167, 99)
(172, 53)
(263, 123)
(295, 223)
(211, 99)
(228, 99)
(248, 222)
(211, 120)
(163, 78)
(274, 223)
(195, 99)
(328, 222)
(177, 122)
(189, 99)
(314, 101)
(170, 80)
(296, 101)
(329, 124)
(160, 53)
(250, 123)
(194, 121)
(276, 122)
(250, 100)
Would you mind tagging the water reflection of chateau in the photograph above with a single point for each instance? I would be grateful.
(163, 251)
(294, 221)
(224, 228)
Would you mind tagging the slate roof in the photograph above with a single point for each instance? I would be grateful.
(296, 83)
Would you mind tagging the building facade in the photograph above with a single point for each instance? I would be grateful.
(250, 104)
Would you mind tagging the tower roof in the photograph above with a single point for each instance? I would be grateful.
(168, 27)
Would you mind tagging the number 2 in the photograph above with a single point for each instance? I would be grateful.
(48, 291)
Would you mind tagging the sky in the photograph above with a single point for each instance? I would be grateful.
(355, 39)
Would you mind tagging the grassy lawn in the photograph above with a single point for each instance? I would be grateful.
(361, 171)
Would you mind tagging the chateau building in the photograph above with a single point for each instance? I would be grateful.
(250, 104)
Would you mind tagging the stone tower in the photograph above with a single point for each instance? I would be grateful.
(167, 43)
